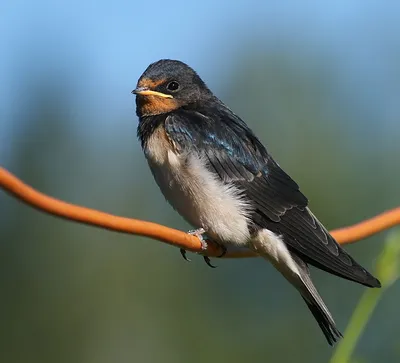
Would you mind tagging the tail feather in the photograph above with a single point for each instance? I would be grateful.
(316, 305)
(325, 322)
(296, 271)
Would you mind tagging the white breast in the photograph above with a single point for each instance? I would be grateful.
(197, 194)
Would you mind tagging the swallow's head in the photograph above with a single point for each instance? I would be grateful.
(167, 85)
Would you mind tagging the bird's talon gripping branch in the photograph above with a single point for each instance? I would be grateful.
(208, 261)
(199, 233)
(224, 250)
(183, 253)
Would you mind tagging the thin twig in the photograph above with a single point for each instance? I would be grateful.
(174, 237)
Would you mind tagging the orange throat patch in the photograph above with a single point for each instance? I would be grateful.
(154, 105)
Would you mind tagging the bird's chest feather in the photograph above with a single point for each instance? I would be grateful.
(195, 192)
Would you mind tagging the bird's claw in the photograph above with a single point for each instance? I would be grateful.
(183, 253)
(208, 261)
(224, 250)
(199, 233)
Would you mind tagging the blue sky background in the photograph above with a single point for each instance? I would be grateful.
(106, 45)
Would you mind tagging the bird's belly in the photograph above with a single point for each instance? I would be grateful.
(202, 198)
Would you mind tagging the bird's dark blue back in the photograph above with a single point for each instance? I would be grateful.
(237, 156)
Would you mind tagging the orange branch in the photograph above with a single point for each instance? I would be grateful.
(174, 237)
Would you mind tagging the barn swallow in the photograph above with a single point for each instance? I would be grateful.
(218, 175)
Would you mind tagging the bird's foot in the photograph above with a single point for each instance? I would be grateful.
(223, 248)
(183, 253)
(207, 259)
(199, 233)
(208, 262)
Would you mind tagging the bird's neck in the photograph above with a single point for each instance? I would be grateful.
(147, 125)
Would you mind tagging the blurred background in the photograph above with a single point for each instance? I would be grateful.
(318, 82)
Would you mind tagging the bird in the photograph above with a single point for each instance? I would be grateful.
(217, 174)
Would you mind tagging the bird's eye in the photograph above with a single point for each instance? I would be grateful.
(173, 86)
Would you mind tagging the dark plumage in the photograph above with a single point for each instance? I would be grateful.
(198, 129)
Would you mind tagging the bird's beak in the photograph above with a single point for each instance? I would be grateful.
(143, 91)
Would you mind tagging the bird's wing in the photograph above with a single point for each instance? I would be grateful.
(235, 154)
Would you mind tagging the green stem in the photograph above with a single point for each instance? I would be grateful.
(356, 326)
